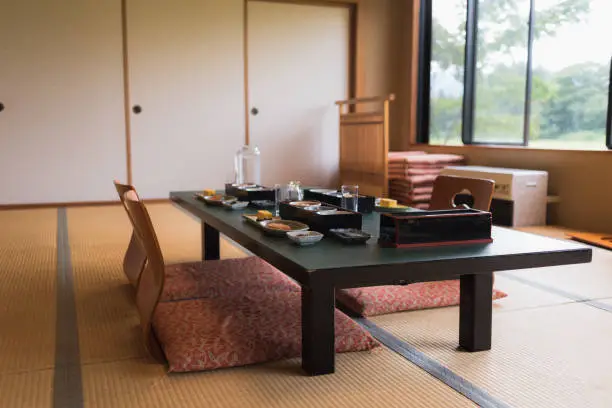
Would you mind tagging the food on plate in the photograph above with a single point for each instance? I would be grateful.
(279, 226)
(388, 203)
(264, 215)
(216, 197)
(305, 204)
(209, 192)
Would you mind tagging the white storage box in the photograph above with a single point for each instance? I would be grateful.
(520, 195)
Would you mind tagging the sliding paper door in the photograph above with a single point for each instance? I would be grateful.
(298, 67)
(62, 124)
(186, 91)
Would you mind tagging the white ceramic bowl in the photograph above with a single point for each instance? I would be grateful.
(305, 237)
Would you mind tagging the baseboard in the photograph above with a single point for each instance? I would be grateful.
(73, 204)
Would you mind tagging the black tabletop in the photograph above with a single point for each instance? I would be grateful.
(510, 249)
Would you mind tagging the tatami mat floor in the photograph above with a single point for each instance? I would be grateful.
(548, 348)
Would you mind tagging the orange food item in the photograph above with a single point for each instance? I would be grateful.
(264, 215)
(278, 226)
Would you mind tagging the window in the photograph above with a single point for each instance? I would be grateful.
(516, 72)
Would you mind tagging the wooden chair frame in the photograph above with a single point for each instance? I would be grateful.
(447, 187)
(135, 257)
(152, 278)
(364, 145)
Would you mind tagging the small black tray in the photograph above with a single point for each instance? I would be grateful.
(365, 204)
(435, 228)
(350, 235)
(321, 222)
(245, 195)
(262, 204)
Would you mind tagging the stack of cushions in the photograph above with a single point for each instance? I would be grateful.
(411, 175)
(236, 312)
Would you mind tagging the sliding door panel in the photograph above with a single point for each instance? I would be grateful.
(298, 68)
(186, 83)
(62, 125)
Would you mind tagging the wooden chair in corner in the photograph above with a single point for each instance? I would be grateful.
(135, 258)
(236, 320)
(379, 300)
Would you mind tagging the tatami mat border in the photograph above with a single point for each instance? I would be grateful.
(573, 296)
(431, 366)
(67, 381)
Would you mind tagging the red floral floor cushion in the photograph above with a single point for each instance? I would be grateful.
(377, 300)
(211, 333)
(223, 278)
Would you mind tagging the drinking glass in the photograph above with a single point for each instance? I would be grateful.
(277, 199)
(294, 191)
(350, 194)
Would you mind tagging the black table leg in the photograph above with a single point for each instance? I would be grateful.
(318, 339)
(476, 312)
(210, 243)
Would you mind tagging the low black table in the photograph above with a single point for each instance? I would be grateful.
(328, 265)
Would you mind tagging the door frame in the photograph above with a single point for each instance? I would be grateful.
(351, 5)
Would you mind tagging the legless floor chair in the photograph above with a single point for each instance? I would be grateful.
(198, 279)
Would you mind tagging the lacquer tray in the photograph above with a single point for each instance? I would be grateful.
(435, 228)
(321, 222)
(365, 203)
(250, 194)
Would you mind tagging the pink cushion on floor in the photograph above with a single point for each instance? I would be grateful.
(207, 334)
(377, 300)
(227, 278)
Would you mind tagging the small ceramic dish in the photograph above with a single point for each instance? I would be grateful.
(325, 210)
(398, 208)
(305, 204)
(244, 186)
(252, 219)
(273, 227)
(303, 238)
(219, 199)
(350, 235)
(318, 208)
(236, 205)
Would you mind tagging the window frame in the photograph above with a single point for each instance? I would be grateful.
(423, 107)
(609, 118)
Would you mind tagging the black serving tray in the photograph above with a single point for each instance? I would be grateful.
(321, 222)
(365, 203)
(245, 195)
(435, 228)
